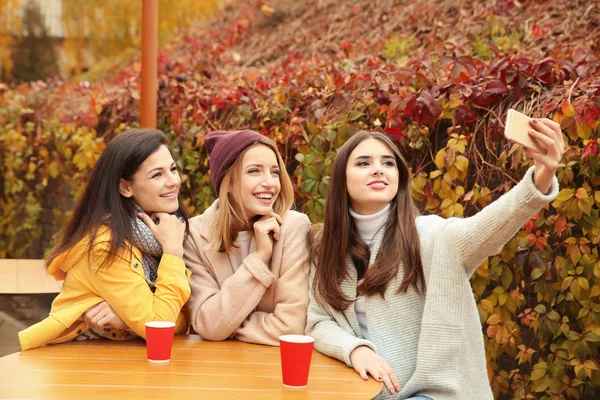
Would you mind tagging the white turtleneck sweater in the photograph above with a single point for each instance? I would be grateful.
(367, 227)
(433, 342)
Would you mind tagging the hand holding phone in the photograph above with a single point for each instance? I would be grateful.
(517, 130)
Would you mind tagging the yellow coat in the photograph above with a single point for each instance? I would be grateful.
(120, 283)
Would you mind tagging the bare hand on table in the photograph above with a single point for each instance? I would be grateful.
(364, 360)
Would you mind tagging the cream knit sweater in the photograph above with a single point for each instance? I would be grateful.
(433, 343)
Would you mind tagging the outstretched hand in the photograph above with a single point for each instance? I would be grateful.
(548, 135)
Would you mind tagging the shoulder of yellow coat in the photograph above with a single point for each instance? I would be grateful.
(66, 260)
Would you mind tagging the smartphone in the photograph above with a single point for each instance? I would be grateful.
(517, 129)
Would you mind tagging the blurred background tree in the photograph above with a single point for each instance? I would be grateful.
(10, 29)
(33, 55)
(83, 35)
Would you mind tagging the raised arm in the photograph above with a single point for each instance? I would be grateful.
(485, 233)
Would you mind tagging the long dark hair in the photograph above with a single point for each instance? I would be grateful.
(120, 160)
(339, 237)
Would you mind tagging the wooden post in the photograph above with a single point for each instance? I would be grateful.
(149, 63)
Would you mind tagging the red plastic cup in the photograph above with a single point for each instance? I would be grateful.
(159, 341)
(296, 352)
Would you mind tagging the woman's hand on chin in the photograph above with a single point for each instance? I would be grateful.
(266, 230)
(168, 231)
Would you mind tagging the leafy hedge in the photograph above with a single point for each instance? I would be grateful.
(437, 78)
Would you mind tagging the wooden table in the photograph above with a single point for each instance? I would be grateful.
(198, 369)
(20, 276)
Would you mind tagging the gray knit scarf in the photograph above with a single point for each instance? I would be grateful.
(152, 251)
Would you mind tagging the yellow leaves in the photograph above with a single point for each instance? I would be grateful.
(417, 184)
(583, 370)
(461, 163)
(584, 131)
(455, 165)
(581, 194)
(487, 305)
(458, 143)
(525, 354)
(502, 298)
(10, 12)
(567, 109)
(494, 319)
(539, 371)
(575, 202)
(436, 173)
(106, 40)
(53, 169)
(448, 105)
(451, 209)
(563, 196)
(440, 159)
(583, 283)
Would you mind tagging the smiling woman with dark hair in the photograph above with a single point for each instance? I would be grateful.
(390, 293)
(121, 254)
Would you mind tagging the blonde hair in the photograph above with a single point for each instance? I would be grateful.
(231, 215)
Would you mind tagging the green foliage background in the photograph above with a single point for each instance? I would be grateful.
(437, 78)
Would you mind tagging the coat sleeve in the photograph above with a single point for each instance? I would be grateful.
(217, 311)
(330, 338)
(123, 286)
(485, 233)
(291, 291)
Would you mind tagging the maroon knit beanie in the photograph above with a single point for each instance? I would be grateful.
(224, 147)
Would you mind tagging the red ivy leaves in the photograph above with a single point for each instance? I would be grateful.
(590, 149)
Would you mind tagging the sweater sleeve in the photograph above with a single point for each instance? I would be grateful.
(330, 338)
(485, 233)
(291, 292)
(217, 311)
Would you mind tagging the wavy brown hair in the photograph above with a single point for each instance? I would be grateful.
(120, 159)
(339, 237)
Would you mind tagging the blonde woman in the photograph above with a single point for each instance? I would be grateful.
(248, 251)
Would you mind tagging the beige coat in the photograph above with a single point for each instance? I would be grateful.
(258, 302)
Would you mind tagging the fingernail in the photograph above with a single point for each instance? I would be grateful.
(535, 121)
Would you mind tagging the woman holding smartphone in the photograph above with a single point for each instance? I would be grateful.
(120, 256)
(248, 251)
(390, 293)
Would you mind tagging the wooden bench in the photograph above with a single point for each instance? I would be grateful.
(22, 276)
